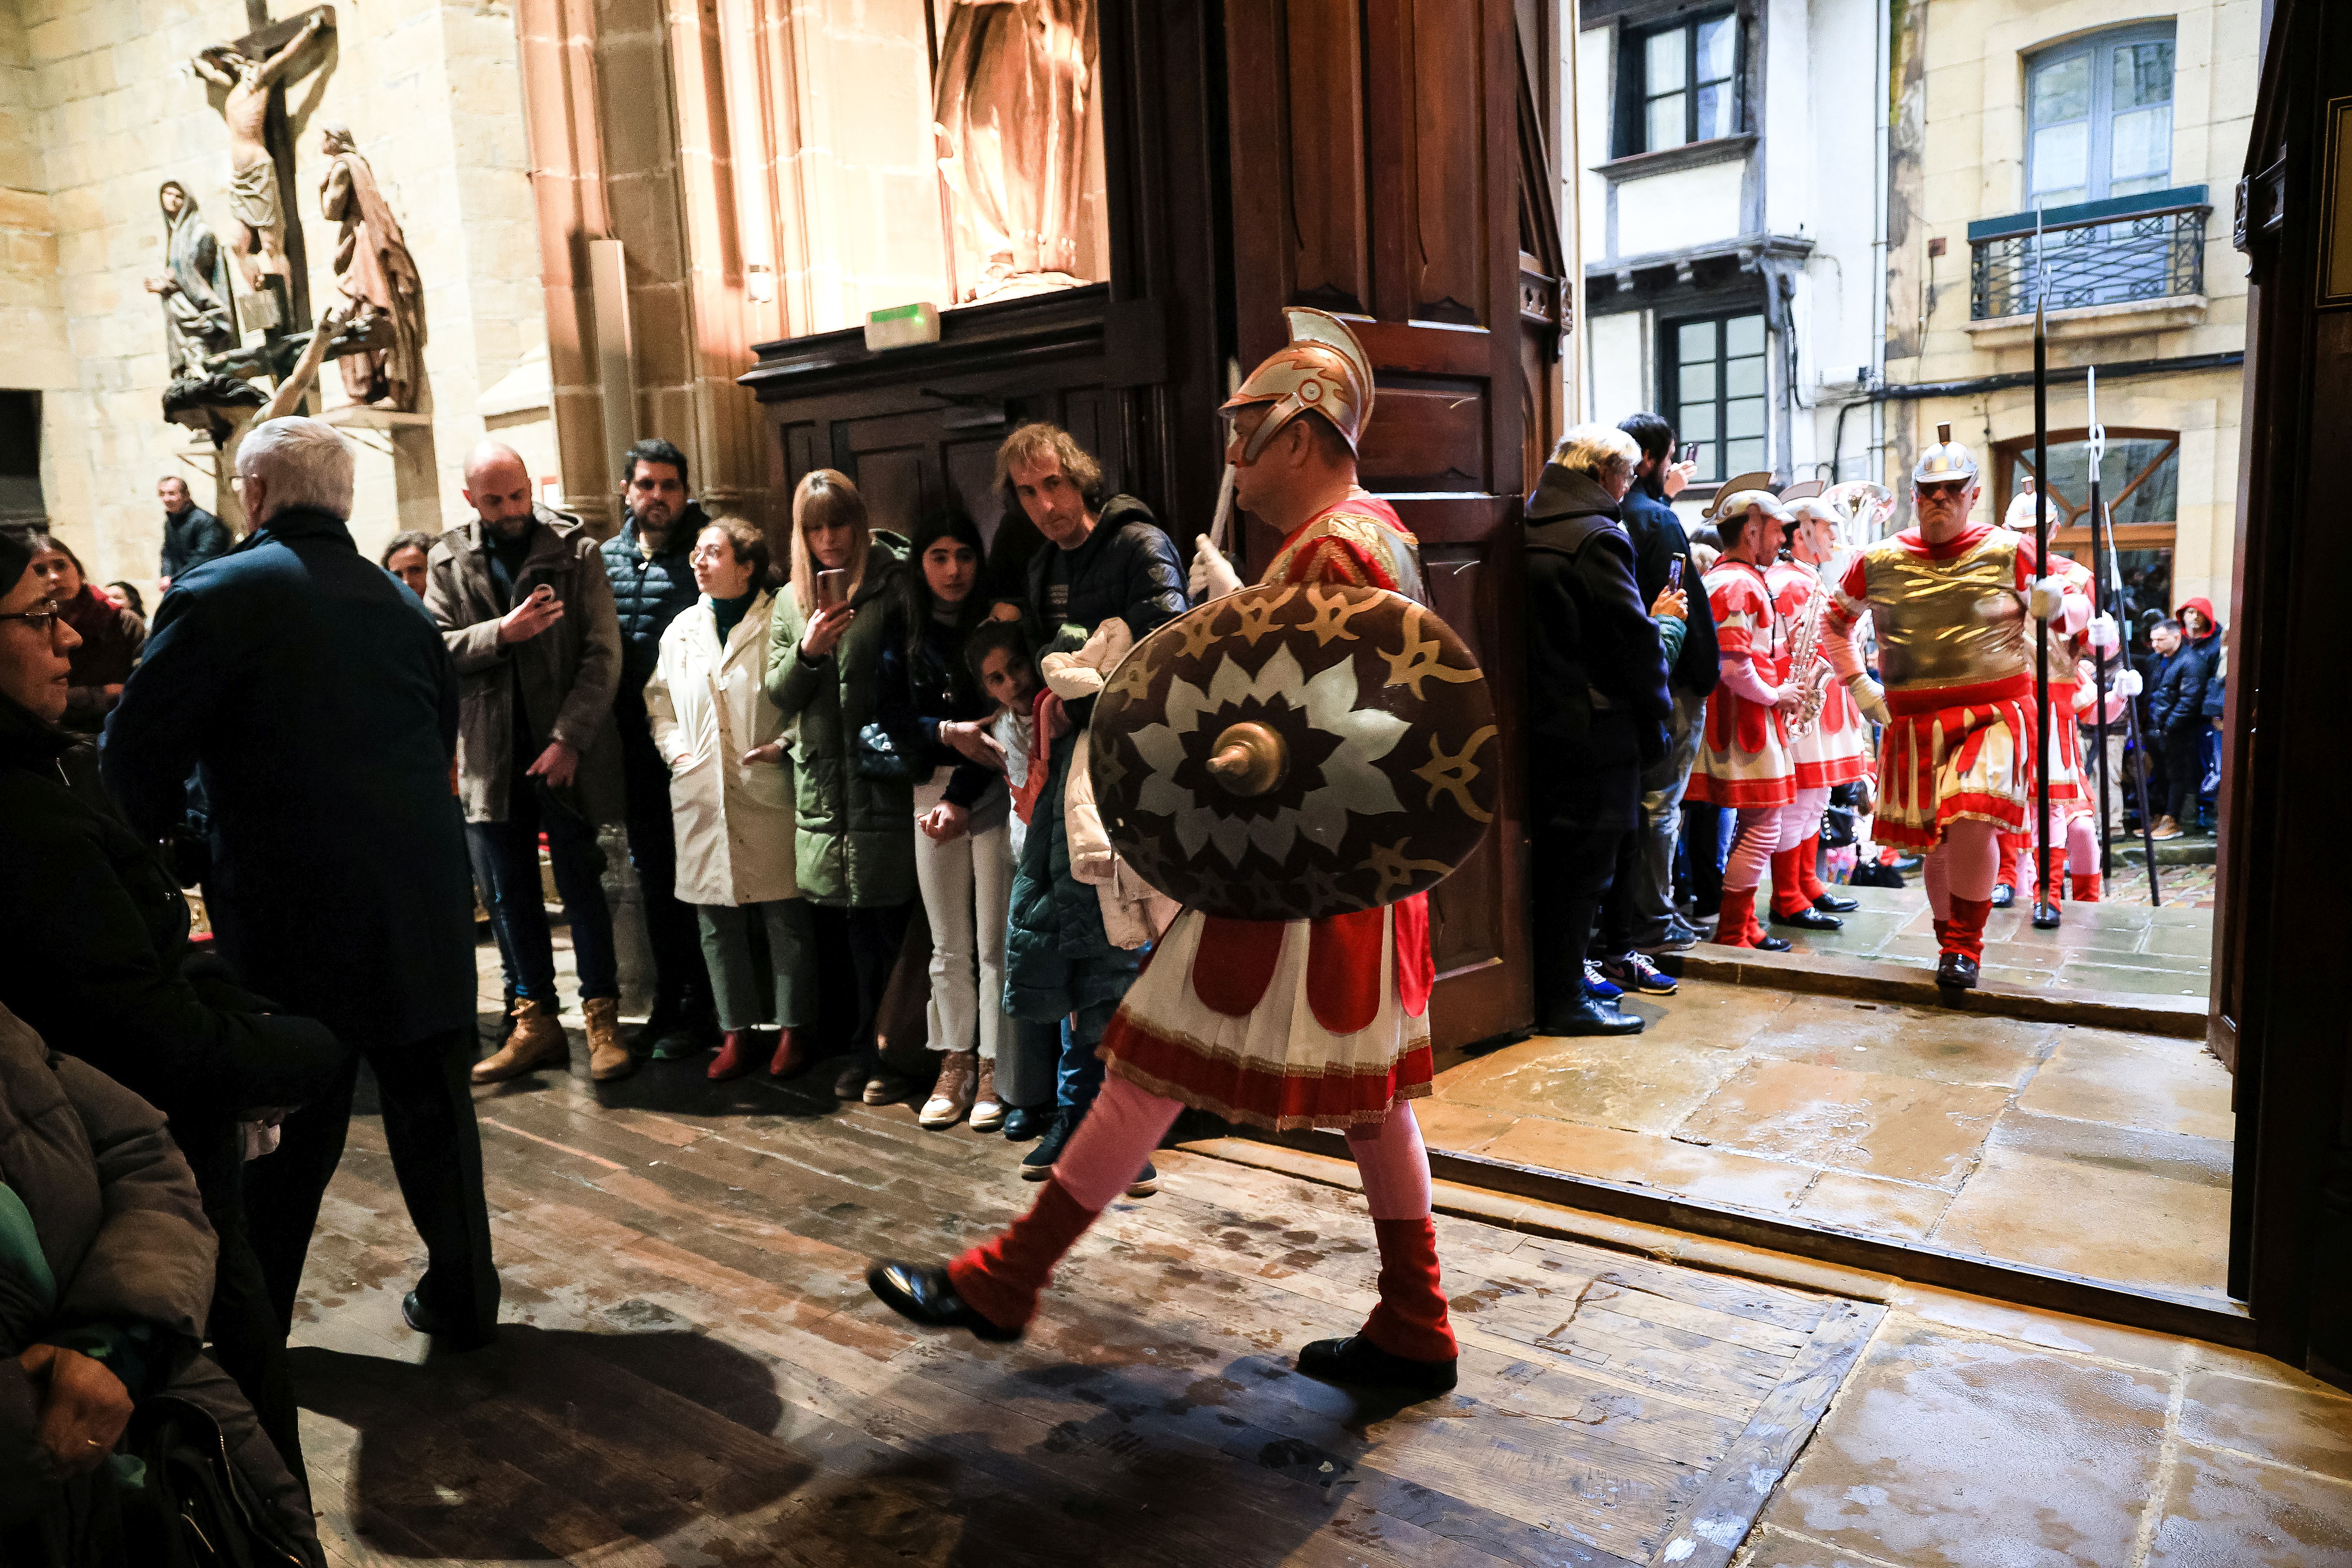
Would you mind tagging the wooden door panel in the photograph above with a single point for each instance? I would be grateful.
(1324, 130)
(1447, 257)
(1422, 436)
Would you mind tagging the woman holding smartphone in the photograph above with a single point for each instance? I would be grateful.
(855, 850)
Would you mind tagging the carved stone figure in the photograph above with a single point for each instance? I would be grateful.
(257, 214)
(374, 271)
(1013, 103)
(199, 318)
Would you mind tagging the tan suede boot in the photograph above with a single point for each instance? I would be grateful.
(608, 1057)
(538, 1041)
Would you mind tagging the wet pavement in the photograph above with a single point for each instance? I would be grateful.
(2163, 951)
(2086, 1151)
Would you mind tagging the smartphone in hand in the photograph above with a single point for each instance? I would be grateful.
(1675, 575)
(832, 589)
(1690, 451)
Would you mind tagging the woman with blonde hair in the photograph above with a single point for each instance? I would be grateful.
(853, 781)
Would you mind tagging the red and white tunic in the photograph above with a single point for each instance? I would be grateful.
(1953, 653)
(2070, 787)
(1743, 756)
(1836, 749)
(1283, 1024)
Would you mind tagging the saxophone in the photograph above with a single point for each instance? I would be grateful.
(1806, 661)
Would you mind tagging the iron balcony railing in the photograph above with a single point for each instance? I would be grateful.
(2149, 247)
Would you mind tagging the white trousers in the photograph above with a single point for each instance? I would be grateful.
(968, 897)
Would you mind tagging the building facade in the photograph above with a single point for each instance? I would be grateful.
(2122, 138)
(1730, 218)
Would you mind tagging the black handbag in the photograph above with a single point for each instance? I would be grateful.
(876, 755)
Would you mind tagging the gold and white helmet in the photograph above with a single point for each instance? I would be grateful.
(1322, 368)
(1945, 460)
(1741, 492)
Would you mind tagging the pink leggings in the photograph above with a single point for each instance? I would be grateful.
(1752, 844)
(1964, 866)
(1801, 818)
(1126, 1123)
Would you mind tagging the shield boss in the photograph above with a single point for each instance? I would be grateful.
(1297, 751)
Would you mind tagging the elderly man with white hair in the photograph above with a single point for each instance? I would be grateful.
(311, 696)
(1598, 712)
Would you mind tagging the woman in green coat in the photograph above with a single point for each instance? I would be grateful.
(855, 845)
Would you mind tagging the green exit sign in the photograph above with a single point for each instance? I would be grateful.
(902, 326)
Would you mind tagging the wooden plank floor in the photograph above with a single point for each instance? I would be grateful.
(692, 1373)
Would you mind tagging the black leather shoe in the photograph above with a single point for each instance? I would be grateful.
(1773, 943)
(1833, 904)
(1957, 970)
(414, 1312)
(1588, 1016)
(1038, 1164)
(2003, 895)
(1023, 1123)
(1808, 919)
(2045, 916)
(920, 1293)
(1364, 1364)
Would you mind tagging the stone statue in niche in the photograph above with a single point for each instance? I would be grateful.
(1015, 106)
(199, 318)
(375, 272)
(257, 208)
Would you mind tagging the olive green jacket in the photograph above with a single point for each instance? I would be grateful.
(856, 840)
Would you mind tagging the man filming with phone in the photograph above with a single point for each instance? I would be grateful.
(521, 598)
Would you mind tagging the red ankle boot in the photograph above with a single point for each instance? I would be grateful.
(999, 1279)
(1965, 933)
(790, 1057)
(737, 1055)
(1789, 896)
(1735, 925)
(1809, 877)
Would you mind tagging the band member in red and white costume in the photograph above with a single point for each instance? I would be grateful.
(2074, 813)
(1744, 759)
(1831, 750)
(1281, 1024)
(1952, 602)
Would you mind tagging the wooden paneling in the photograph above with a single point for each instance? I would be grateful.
(1432, 86)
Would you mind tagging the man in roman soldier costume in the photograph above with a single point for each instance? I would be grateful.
(1744, 759)
(1320, 1023)
(1827, 741)
(1952, 602)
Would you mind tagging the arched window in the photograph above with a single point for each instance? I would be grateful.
(2139, 481)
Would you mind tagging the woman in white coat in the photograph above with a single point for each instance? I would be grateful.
(731, 803)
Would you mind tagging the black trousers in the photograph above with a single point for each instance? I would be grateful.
(246, 1334)
(1573, 871)
(680, 980)
(436, 1156)
(875, 934)
(2184, 771)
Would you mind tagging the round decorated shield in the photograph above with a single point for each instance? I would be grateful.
(1295, 751)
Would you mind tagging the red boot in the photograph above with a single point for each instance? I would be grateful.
(1965, 934)
(1788, 895)
(1735, 925)
(1000, 1278)
(737, 1055)
(1407, 1341)
(2086, 886)
(1809, 877)
(790, 1057)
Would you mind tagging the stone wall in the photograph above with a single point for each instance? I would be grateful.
(99, 106)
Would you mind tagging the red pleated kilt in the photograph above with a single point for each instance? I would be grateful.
(1969, 760)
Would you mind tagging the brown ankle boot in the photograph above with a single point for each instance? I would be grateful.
(608, 1059)
(538, 1041)
(987, 1110)
(952, 1098)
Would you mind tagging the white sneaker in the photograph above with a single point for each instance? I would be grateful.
(952, 1096)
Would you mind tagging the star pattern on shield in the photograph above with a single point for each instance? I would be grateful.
(1350, 783)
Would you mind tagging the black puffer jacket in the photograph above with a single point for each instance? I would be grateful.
(648, 593)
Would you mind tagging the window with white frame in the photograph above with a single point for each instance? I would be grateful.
(2098, 117)
(1687, 77)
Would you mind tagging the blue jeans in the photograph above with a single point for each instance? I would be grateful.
(506, 866)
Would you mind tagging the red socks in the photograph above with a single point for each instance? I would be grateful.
(1808, 876)
(1411, 1321)
(1735, 925)
(2087, 885)
(1789, 896)
(1965, 931)
(1000, 1278)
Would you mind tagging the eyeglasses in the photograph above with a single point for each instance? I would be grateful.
(41, 617)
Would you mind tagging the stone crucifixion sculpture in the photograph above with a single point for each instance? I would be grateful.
(256, 209)
(374, 272)
(198, 318)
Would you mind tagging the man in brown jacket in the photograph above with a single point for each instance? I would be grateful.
(521, 596)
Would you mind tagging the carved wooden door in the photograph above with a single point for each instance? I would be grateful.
(1374, 159)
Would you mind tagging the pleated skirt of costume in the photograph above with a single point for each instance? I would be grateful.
(1971, 761)
(1836, 749)
(1283, 1024)
(1743, 755)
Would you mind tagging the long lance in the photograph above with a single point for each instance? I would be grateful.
(2045, 912)
(2104, 526)
(2102, 601)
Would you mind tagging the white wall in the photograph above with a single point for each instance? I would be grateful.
(1596, 67)
(1683, 208)
(1619, 351)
